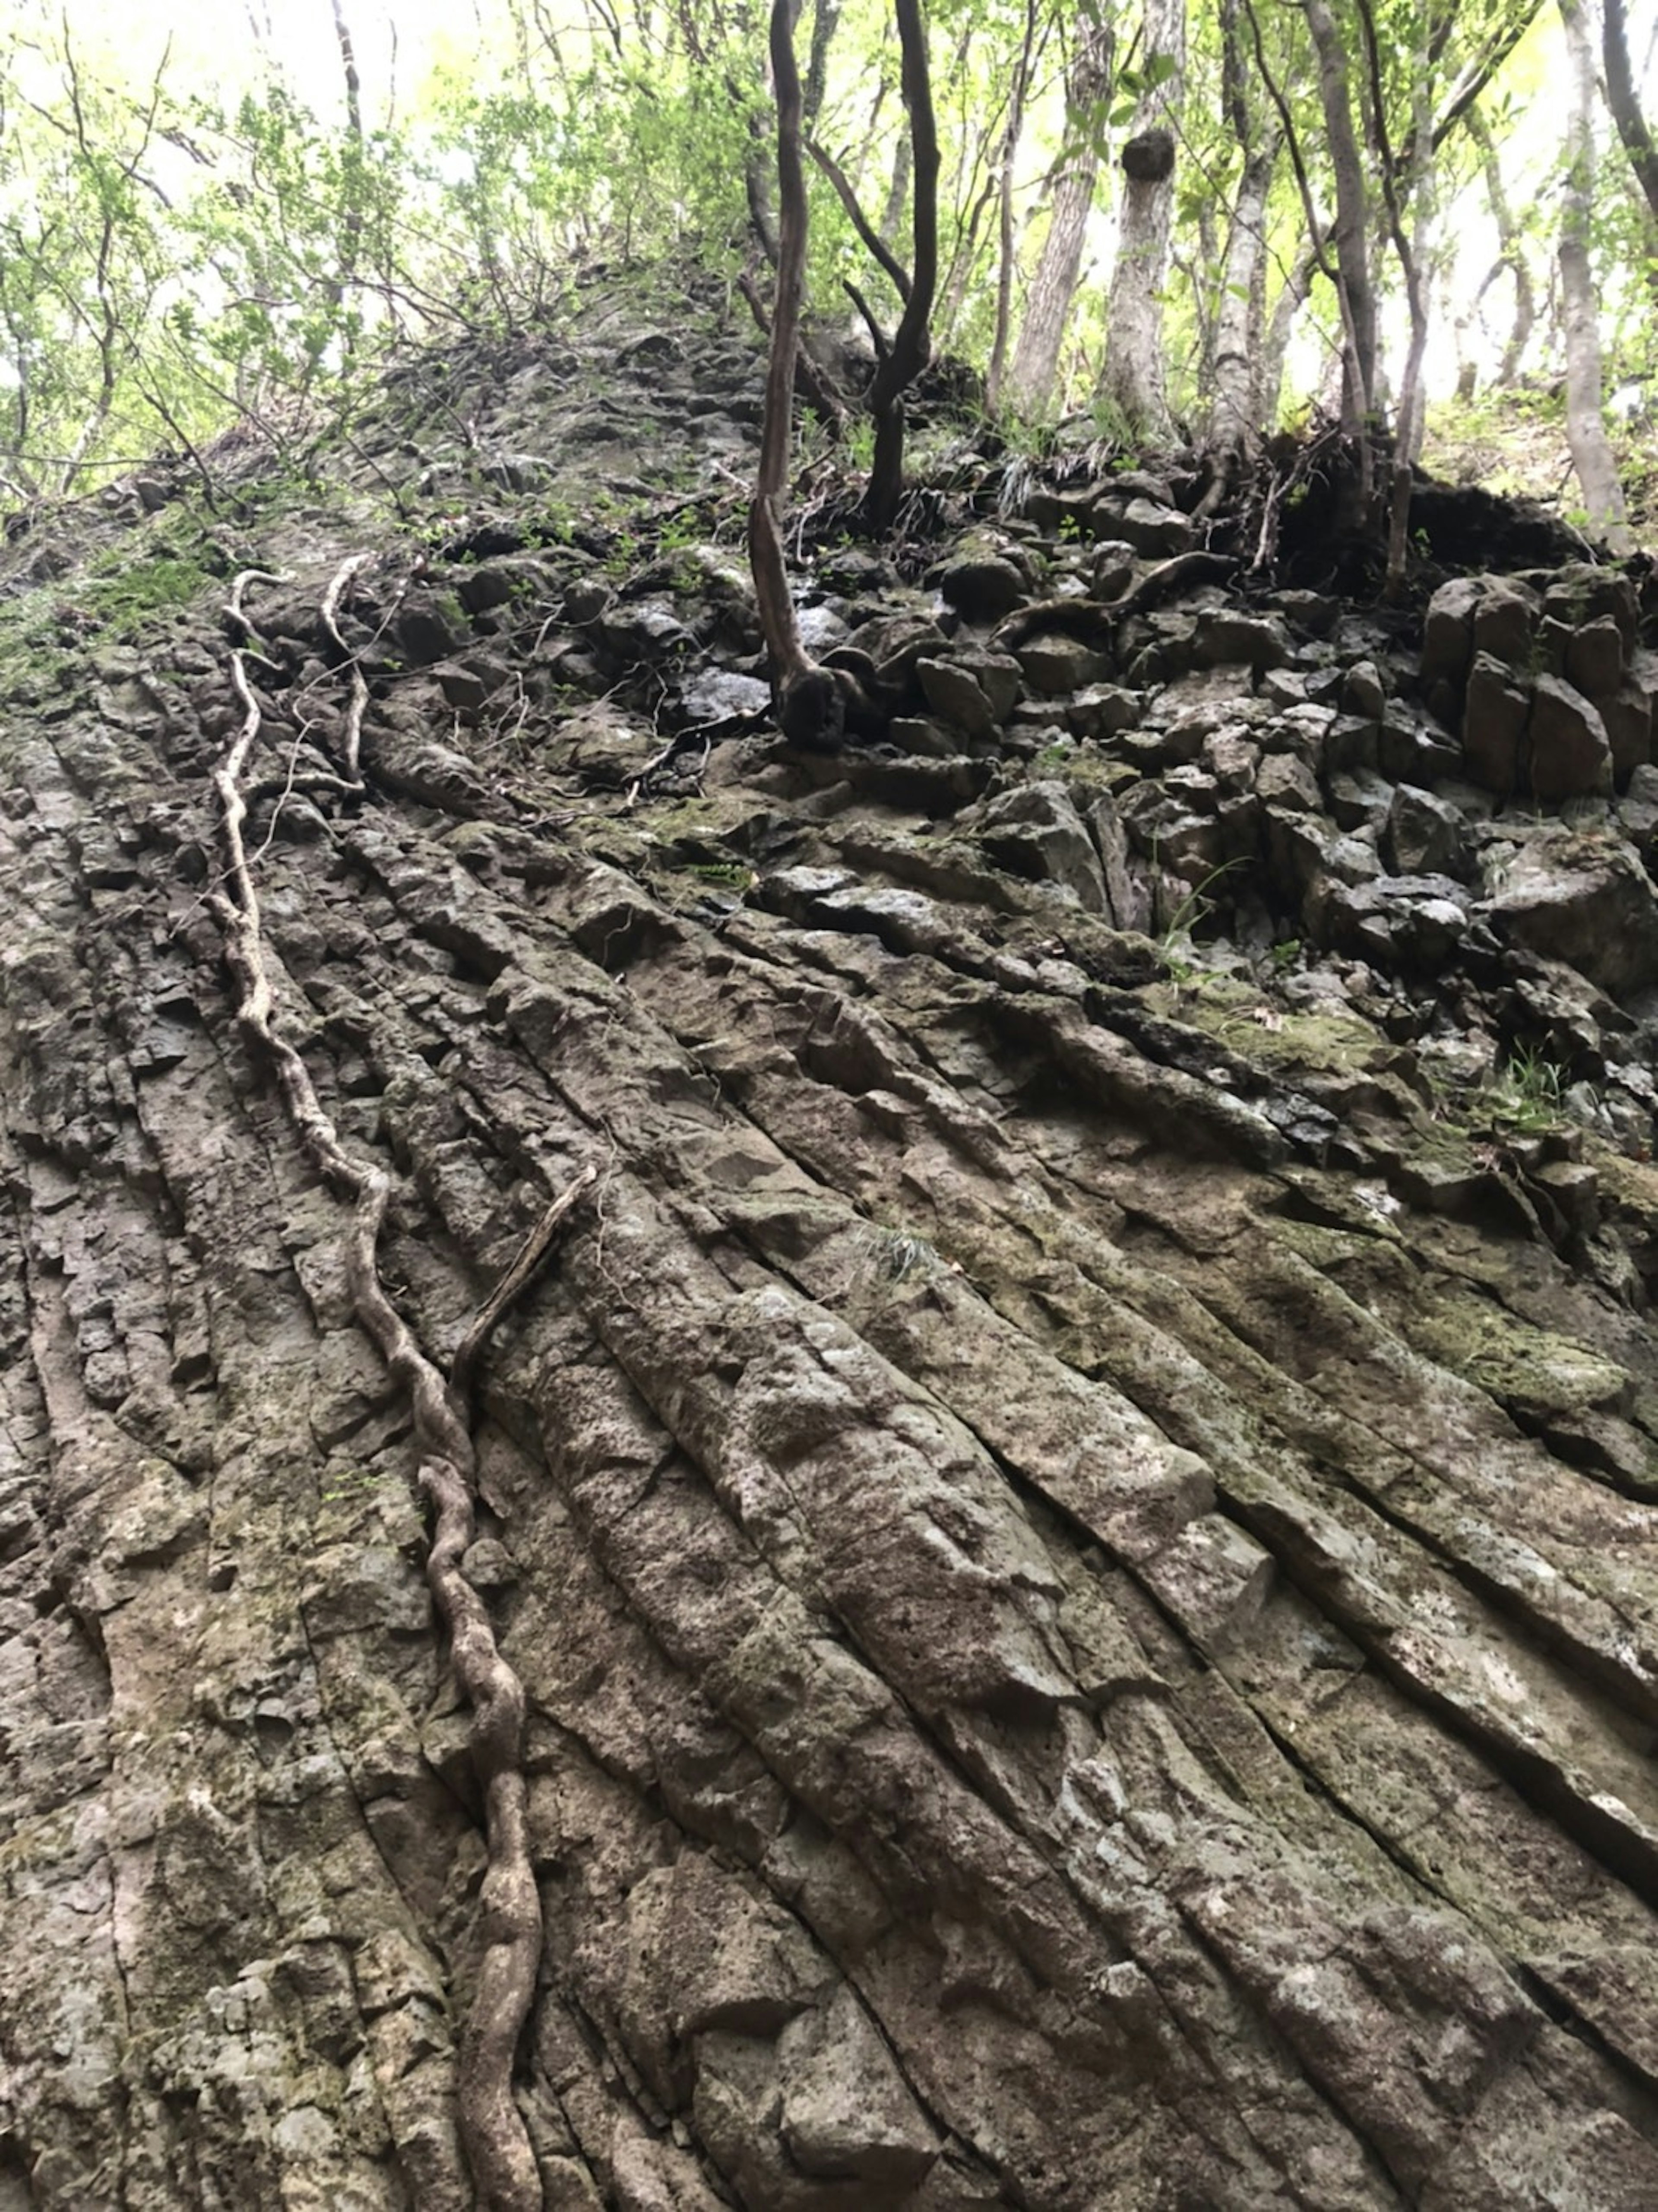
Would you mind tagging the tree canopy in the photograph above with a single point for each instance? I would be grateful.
(1153, 220)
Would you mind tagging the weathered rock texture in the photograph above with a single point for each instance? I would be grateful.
(1076, 1513)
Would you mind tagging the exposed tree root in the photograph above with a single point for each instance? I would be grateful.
(509, 1924)
(1101, 617)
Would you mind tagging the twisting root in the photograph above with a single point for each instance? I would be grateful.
(509, 1921)
(330, 621)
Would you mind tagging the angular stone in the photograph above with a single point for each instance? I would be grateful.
(1425, 834)
(1359, 800)
(1287, 783)
(1410, 752)
(1100, 710)
(1628, 717)
(1034, 830)
(982, 584)
(429, 627)
(1448, 630)
(1570, 753)
(1113, 569)
(1225, 638)
(1505, 620)
(1054, 664)
(1231, 758)
(1363, 692)
(1595, 658)
(1152, 530)
(1585, 593)
(1590, 903)
(1494, 726)
(1128, 898)
(952, 693)
(996, 674)
(462, 687)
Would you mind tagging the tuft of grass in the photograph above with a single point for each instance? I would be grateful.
(1526, 1094)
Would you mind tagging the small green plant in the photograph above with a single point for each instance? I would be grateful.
(349, 1486)
(730, 875)
(1526, 1094)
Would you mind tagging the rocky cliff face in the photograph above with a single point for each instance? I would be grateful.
(1074, 1505)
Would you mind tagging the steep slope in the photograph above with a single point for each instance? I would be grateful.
(1074, 1509)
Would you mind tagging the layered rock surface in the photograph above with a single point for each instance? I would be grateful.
(1076, 1513)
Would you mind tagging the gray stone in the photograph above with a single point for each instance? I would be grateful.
(1359, 799)
(462, 687)
(1231, 757)
(1224, 638)
(1584, 592)
(1112, 570)
(1494, 726)
(1505, 620)
(1152, 530)
(1100, 710)
(952, 693)
(1425, 834)
(1448, 630)
(1584, 899)
(1570, 756)
(983, 583)
(1595, 658)
(1035, 830)
(1054, 664)
(1628, 717)
(1287, 783)
(997, 675)
(717, 695)
(1363, 692)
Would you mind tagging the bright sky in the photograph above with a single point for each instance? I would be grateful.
(218, 41)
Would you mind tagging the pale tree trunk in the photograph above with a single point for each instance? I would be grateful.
(1290, 299)
(1349, 235)
(1235, 414)
(1586, 427)
(1036, 361)
(1005, 209)
(1512, 257)
(1407, 200)
(1135, 379)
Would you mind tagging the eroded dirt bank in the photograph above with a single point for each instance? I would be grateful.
(1074, 1508)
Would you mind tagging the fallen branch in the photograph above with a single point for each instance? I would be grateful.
(509, 1924)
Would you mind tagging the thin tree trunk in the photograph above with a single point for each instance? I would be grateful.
(1586, 428)
(1135, 380)
(1005, 209)
(911, 342)
(1035, 363)
(1512, 257)
(1292, 298)
(1351, 234)
(824, 24)
(1623, 101)
(1234, 416)
(1235, 413)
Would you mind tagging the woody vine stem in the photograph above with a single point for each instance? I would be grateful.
(496, 2143)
